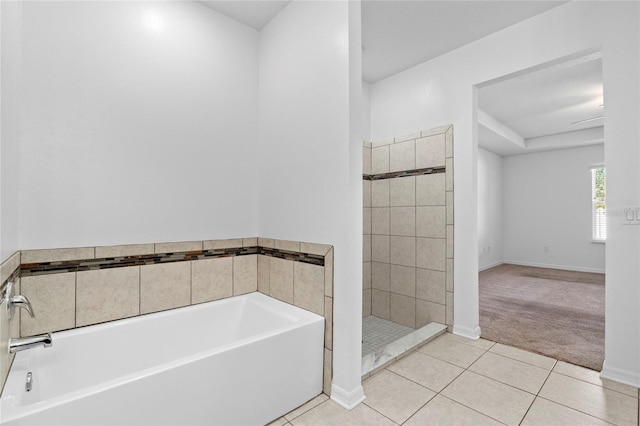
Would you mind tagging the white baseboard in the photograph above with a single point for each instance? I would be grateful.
(563, 267)
(471, 333)
(348, 400)
(491, 265)
(619, 375)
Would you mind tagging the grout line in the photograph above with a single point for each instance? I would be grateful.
(574, 409)
(591, 383)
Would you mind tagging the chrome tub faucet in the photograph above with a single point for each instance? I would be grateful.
(22, 343)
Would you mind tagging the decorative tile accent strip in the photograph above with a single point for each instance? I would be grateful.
(415, 172)
(31, 269)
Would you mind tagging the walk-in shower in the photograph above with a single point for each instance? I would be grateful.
(407, 241)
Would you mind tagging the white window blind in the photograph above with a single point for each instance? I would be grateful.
(598, 204)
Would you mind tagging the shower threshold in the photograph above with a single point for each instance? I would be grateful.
(384, 342)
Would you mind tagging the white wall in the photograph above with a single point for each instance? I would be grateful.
(10, 75)
(547, 203)
(442, 91)
(490, 207)
(139, 124)
(311, 152)
(366, 111)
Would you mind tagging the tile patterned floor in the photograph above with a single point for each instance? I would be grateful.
(378, 333)
(457, 381)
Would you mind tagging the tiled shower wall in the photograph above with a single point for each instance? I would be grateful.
(76, 287)
(408, 228)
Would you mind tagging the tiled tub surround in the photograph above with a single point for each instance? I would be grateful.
(76, 287)
(9, 270)
(408, 228)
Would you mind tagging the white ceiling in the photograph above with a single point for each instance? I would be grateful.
(518, 112)
(254, 13)
(531, 107)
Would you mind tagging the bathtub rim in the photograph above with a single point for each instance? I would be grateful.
(20, 365)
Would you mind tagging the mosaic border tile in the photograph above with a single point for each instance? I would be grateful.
(405, 173)
(42, 268)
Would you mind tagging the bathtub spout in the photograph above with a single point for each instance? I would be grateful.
(24, 343)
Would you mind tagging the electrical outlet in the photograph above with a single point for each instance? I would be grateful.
(631, 216)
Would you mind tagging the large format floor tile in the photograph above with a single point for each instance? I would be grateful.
(591, 376)
(445, 412)
(524, 356)
(394, 396)
(608, 405)
(427, 371)
(494, 399)
(452, 351)
(518, 374)
(329, 413)
(544, 413)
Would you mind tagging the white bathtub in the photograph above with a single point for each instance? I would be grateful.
(245, 360)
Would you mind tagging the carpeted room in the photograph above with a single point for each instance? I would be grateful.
(541, 232)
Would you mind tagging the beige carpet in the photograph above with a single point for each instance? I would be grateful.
(548, 311)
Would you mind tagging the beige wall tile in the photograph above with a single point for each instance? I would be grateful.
(449, 200)
(402, 156)
(449, 308)
(328, 273)
(407, 137)
(164, 286)
(312, 248)
(366, 248)
(380, 220)
(366, 221)
(328, 322)
(380, 248)
(107, 294)
(366, 303)
(56, 255)
(402, 191)
(450, 238)
(403, 280)
(380, 304)
(380, 273)
(430, 221)
(211, 279)
(380, 193)
(366, 193)
(14, 324)
(308, 287)
(281, 279)
(427, 312)
(430, 190)
(327, 371)
(402, 310)
(250, 242)
(366, 275)
(287, 245)
(430, 285)
(380, 159)
(431, 254)
(449, 142)
(449, 175)
(381, 142)
(245, 274)
(366, 160)
(9, 266)
(266, 242)
(221, 244)
(403, 251)
(435, 131)
(263, 274)
(53, 298)
(430, 151)
(402, 221)
(177, 247)
(124, 250)
(450, 275)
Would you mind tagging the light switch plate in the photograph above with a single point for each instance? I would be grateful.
(631, 216)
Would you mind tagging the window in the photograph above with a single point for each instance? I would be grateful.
(598, 204)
